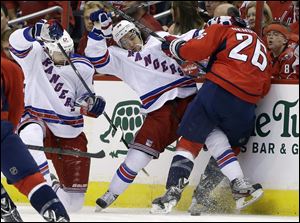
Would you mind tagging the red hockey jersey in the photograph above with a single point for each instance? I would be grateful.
(238, 60)
(12, 96)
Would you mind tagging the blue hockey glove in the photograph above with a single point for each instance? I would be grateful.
(102, 21)
(47, 31)
(92, 106)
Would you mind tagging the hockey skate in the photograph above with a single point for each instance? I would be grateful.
(51, 216)
(106, 200)
(165, 204)
(9, 212)
(244, 193)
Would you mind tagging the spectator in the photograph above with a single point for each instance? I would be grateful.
(141, 15)
(285, 60)
(89, 7)
(185, 16)
(281, 10)
(28, 7)
(226, 9)
(251, 14)
(295, 26)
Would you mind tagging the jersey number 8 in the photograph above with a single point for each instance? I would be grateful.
(235, 53)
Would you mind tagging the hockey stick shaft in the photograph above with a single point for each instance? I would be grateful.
(91, 93)
(61, 151)
(137, 6)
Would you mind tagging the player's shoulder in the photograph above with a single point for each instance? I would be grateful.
(81, 62)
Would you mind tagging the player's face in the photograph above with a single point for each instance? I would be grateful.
(131, 41)
(58, 58)
(275, 40)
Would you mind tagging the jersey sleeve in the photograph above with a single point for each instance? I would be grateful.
(101, 56)
(203, 43)
(23, 47)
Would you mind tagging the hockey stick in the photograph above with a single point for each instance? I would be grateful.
(91, 93)
(142, 27)
(135, 7)
(61, 151)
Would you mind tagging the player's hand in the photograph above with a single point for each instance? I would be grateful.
(102, 20)
(171, 47)
(165, 46)
(90, 105)
(48, 31)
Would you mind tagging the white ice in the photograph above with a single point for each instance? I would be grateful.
(87, 214)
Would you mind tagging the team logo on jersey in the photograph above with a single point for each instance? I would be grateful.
(13, 170)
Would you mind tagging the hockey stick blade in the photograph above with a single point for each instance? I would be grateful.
(61, 151)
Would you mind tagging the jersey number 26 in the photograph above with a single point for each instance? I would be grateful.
(259, 58)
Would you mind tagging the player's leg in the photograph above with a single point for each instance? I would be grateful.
(158, 131)
(195, 125)
(243, 191)
(20, 169)
(202, 201)
(9, 212)
(179, 172)
(72, 172)
(209, 180)
(33, 132)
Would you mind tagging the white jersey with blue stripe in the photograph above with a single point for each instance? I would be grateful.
(155, 77)
(50, 90)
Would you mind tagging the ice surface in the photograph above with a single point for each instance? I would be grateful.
(87, 214)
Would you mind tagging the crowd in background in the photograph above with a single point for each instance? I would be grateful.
(280, 23)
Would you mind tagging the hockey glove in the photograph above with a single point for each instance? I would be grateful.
(102, 21)
(47, 31)
(171, 47)
(90, 105)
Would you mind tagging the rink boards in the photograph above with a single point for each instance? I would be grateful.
(271, 157)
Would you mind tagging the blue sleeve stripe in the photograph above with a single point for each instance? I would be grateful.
(95, 36)
(28, 36)
(20, 53)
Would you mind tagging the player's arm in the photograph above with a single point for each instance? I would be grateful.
(97, 50)
(200, 47)
(23, 41)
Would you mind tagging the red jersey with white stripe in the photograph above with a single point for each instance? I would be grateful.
(238, 60)
(50, 90)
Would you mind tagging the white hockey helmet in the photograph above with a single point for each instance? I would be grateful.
(121, 29)
(65, 41)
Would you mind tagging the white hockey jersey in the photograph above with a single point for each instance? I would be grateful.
(155, 77)
(50, 90)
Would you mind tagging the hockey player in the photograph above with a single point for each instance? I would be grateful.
(238, 77)
(17, 164)
(55, 100)
(159, 82)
